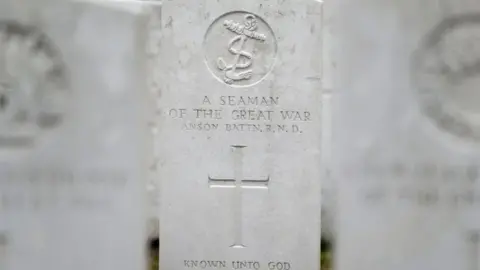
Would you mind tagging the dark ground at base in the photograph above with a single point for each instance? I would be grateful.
(153, 246)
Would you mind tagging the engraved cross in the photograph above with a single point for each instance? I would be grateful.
(238, 183)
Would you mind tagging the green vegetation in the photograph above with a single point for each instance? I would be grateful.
(153, 261)
(326, 256)
(326, 261)
(153, 252)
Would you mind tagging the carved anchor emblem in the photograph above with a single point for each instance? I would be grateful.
(242, 59)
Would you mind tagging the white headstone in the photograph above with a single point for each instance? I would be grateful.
(73, 136)
(239, 135)
(407, 135)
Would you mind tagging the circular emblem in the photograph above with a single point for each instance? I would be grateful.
(33, 85)
(240, 49)
(446, 71)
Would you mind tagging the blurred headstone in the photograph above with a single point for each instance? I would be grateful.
(73, 135)
(407, 135)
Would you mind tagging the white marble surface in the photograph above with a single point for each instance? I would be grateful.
(220, 122)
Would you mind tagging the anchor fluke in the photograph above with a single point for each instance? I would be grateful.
(221, 64)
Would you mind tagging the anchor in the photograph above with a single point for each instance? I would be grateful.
(242, 59)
